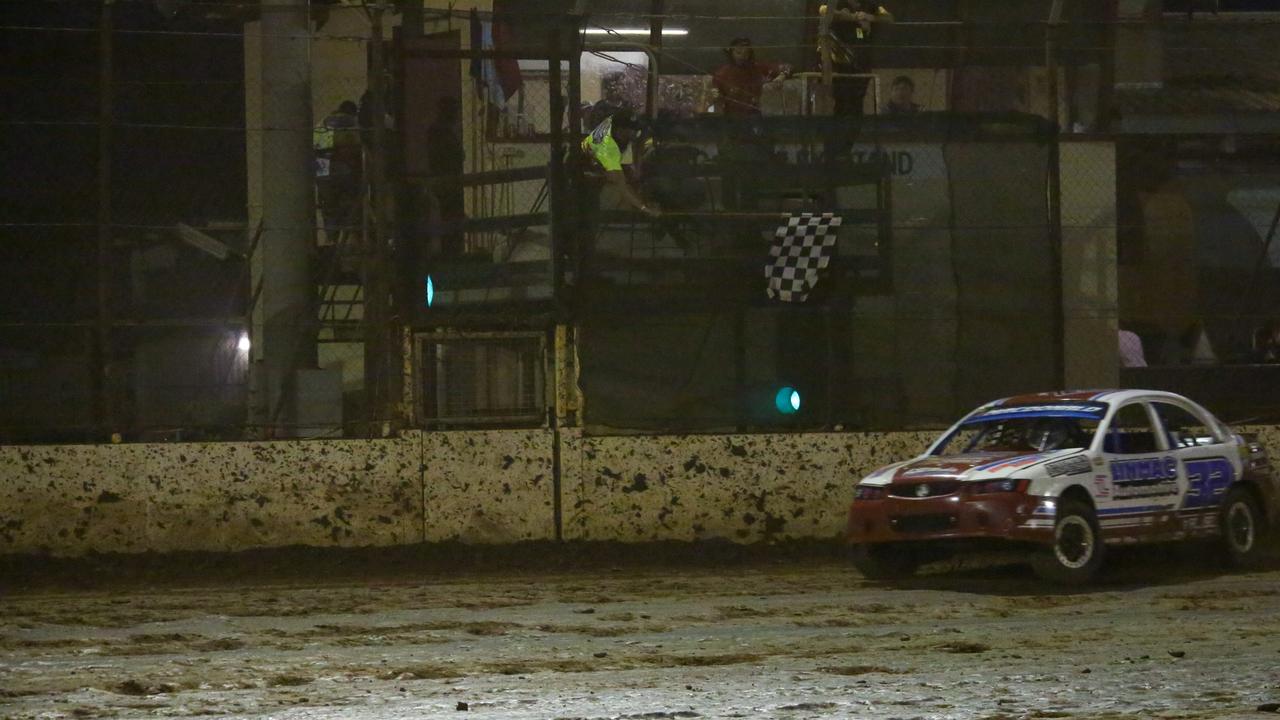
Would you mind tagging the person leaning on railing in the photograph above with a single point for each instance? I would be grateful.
(739, 83)
(598, 163)
(603, 150)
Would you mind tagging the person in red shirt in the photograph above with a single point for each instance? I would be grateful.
(739, 83)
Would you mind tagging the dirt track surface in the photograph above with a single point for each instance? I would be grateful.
(779, 639)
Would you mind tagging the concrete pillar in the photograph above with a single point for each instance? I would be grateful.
(288, 337)
(1090, 297)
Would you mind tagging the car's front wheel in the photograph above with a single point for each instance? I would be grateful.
(884, 561)
(1077, 551)
(1242, 527)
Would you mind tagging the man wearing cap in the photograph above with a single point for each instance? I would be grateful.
(739, 83)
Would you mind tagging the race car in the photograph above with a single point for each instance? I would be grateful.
(1063, 475)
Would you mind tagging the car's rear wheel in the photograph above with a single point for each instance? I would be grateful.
(884, 561)
(1077, 550)
(1242, 527)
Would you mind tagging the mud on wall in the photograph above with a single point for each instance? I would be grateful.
(480, 487)
(78, 499)
(743, 488)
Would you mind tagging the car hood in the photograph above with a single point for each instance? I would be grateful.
(973, 466)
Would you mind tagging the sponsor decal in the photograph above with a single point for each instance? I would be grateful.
(1144, 470)
(1144, 478)
(1145, 510)
(928, 471)
(1200, 522)
(1011, 463)
(1207, 481)
(1129, 491)
(1102, 486)
(1074, 465)
(1066, 409)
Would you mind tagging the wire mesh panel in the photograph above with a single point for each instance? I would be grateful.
(184, 258)
(939, 291)
(481, 380)
(476, 209)
(123, 225)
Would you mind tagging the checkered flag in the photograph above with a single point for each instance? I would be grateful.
(801, 248)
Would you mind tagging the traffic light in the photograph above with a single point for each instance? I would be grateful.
(431, 291)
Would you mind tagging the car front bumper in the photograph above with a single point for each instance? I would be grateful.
(1008, 516)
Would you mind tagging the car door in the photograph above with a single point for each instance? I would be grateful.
(1204, 461)
(1144, 479)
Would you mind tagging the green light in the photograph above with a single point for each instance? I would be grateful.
(787, 400)
(431, 291)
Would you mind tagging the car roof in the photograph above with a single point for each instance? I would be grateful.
(1111, 397)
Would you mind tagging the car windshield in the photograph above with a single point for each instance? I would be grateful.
(1024, 429)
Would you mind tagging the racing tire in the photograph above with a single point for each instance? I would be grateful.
(884, 561)
(1243, 528)
(1077, 550)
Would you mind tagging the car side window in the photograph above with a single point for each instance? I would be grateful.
(1130, 432)
(1183, 428)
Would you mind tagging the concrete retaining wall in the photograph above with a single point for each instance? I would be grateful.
(744, 488)
(78, 499)
(491, 486)
(207, 496)
(477, 487)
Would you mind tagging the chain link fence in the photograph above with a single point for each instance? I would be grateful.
(1013, 193)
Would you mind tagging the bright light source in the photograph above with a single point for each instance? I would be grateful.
(787, 401)
(633, 31)
(431, 291)
(244, 344)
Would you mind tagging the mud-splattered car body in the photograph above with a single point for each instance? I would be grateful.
(1070, 472)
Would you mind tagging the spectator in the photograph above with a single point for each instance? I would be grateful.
(1131, 354)
(901, 97)
(599, 162)
(339, 169)
(604, 150)
(854, 24)
(739, 83)
(446, 159)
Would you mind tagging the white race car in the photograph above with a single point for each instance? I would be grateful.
(1066, 474)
